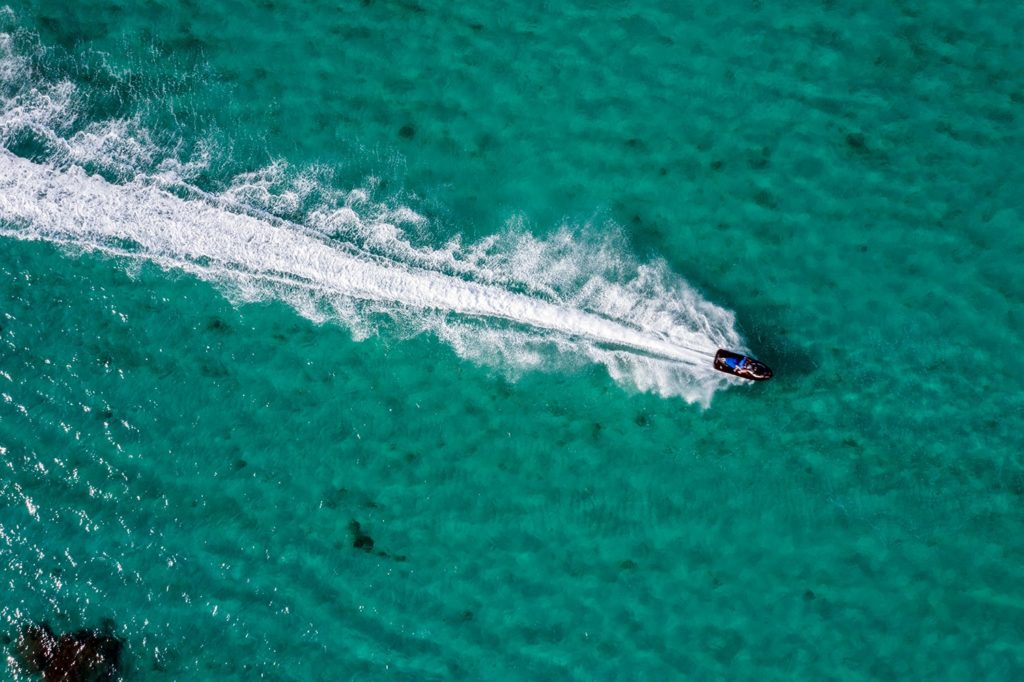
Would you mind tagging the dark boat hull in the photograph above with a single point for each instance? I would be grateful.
(741, 366)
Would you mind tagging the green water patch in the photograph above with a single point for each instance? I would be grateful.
(844, 179)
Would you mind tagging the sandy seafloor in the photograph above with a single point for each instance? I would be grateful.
(843, 177)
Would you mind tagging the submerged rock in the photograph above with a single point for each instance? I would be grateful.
(80, 656)
(35, 646)
(360, 539)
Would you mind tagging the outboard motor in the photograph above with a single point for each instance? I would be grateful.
(741, 366)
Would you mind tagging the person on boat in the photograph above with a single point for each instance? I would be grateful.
(738, 364)
(741, 366)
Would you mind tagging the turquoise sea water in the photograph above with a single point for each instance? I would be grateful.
(214, 358)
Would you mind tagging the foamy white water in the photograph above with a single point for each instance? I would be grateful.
(513, 301)
(256, 258)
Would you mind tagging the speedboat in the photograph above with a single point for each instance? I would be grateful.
(741, 366)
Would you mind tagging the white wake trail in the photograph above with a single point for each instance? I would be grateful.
(87, 211)
(512, 300)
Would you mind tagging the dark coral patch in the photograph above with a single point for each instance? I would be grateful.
(764, 199)
(360, 540)
(80, 656)
(857, 141)
(407, 132)
(217, 325)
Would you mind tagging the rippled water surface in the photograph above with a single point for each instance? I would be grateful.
(368, 341)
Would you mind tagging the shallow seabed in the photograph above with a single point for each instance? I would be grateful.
(187, 457)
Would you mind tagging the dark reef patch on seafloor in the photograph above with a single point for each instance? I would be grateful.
(361, 540)
(80, 656)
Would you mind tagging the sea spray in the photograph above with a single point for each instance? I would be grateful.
(512, 300)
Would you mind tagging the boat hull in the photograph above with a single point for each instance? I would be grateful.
(741, 366)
